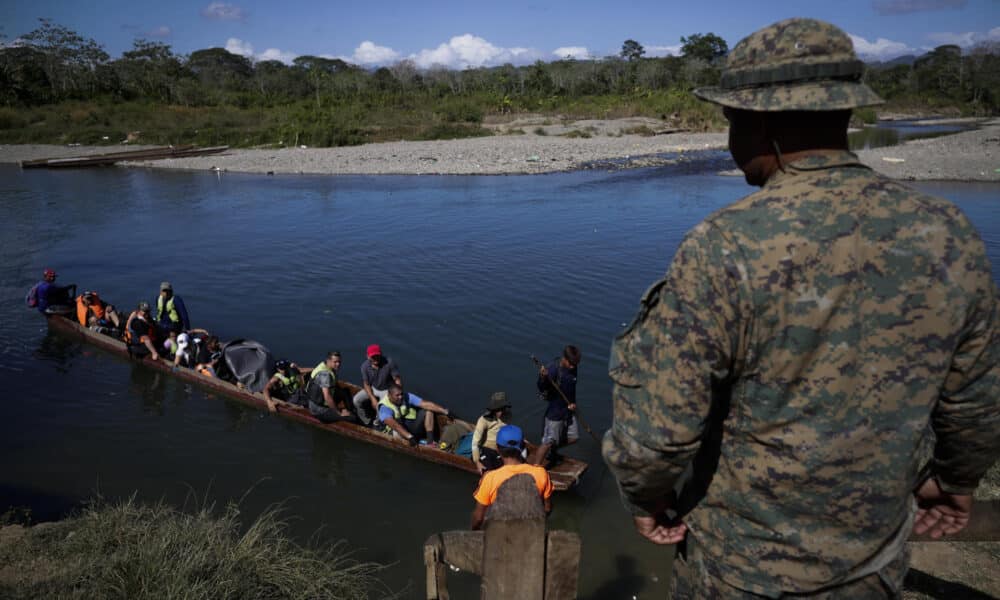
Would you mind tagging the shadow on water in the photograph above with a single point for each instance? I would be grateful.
(57, 349)
(628, 582)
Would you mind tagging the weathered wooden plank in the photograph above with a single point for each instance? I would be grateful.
(562, 565)
(514, 546)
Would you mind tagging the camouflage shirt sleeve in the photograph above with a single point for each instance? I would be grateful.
(687, 331)
(966, 419)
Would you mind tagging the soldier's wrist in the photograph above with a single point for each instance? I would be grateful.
(953, 487)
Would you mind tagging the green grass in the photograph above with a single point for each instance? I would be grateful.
(138, 552)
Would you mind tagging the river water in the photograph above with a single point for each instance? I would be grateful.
(458, 278)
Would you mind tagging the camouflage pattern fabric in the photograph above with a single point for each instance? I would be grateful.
(796, 64)
(692, 579)
(855, 324)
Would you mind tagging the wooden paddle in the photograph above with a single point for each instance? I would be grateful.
(576, 413)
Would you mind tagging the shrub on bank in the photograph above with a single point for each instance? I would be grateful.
(132, 551)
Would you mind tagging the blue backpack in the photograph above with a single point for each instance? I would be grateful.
(464, 446)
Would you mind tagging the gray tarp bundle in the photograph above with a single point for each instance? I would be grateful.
(249, 362)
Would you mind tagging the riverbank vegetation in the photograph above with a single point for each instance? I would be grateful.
(132, 551)
(57, 86)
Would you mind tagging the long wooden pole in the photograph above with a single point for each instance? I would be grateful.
(576, 413)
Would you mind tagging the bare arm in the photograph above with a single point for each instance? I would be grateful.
(479, 515)
(398, 428)
(433, 407)
(267, 394)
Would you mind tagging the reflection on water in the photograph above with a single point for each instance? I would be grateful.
(891, 133)
(458, 278)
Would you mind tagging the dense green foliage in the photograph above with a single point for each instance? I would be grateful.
(59, 87)
(944, 78)
(135, 552)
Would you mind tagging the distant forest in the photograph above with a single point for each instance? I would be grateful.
(57, 86)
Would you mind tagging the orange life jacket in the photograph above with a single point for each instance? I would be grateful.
(96, 307)
(150, 332)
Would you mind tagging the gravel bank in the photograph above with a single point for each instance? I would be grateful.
(971, 155)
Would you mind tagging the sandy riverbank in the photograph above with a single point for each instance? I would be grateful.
(544, 148)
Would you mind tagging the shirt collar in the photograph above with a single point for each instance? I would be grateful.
(817, 162)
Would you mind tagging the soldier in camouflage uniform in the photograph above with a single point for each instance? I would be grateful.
(831, 343)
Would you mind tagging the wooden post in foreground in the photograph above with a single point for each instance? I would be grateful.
(515, 555)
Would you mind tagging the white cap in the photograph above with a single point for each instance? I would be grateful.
(182, 340)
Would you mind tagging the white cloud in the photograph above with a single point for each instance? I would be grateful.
(238, 46)
(275, 54)
(663, 50)
(575, 52)
(223, 11)
(369, 53)
(472, 51)
(242, 48)
(880, 49)
(160, 32)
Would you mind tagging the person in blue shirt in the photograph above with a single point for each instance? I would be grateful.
(49, 295)
(171, 315)
(557, 386)
(409, 416)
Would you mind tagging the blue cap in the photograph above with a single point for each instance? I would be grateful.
(510, 436)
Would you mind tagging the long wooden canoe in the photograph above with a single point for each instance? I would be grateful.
(563, 475)
(98, 160)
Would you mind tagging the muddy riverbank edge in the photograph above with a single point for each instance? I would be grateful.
(967, 156)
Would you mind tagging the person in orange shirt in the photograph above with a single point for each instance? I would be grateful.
(510, 443)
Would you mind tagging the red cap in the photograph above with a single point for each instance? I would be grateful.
(48, 273)
(374, 350)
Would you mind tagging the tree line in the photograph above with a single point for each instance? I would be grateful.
(327, 101)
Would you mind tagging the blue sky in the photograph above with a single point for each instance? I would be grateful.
(460, 34)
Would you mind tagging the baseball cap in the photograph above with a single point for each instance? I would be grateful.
(182, 340)
(166, 286)
(144, 306)
(374, 350)
(510, 436)
(48, 273)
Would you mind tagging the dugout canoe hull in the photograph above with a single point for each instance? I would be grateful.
(564, 475)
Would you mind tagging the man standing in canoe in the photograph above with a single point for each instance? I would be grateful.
(557, 386)
(831, 343)
(171, 314)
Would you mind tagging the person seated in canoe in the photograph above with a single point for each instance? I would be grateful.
(286, 385)
(378, 372)
(207, 357)
(484, 437)
(96, 314)
(171, 314)
(409, 416)
(50, 298)
(321, 391)
(140, 333)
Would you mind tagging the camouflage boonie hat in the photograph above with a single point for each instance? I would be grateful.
(795, 64)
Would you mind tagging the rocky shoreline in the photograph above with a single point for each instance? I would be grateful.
(527, 148)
